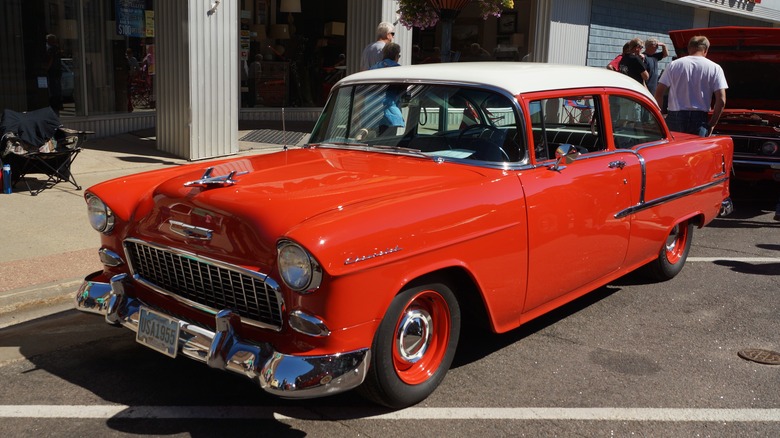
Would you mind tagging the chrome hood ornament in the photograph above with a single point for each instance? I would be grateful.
(190, 231)
(209, 181)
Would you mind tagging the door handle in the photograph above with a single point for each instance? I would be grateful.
(619, 164)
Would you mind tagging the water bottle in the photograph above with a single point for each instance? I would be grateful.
(6, 178)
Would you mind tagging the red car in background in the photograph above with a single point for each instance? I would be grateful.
(750, 58)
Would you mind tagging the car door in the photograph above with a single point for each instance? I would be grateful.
(576, 235)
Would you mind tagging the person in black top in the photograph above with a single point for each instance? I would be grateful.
(633, 63)
(53, 67)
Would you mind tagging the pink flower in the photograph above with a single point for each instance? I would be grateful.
(420, 13)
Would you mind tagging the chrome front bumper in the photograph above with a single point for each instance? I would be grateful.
(280, 374)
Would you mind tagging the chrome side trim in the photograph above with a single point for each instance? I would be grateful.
(668, 198)
(639, 157)
(284, 375)
(723, 170)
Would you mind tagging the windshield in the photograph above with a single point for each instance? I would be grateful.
(437, 120)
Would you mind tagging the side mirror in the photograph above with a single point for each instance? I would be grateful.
(564, 154)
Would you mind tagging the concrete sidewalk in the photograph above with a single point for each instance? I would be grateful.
(47, 245)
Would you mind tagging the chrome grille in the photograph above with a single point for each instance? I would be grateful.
(210, 284)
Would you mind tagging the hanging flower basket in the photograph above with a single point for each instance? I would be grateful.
(424, 14)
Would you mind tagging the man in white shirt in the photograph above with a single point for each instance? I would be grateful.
(385, 33)
(692, 82)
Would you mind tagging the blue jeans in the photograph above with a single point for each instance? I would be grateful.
(692, 122)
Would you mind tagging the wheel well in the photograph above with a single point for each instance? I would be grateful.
(697, 220)
(473, 310)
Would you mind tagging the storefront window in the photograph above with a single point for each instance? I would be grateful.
(292, 52)
(81, 57)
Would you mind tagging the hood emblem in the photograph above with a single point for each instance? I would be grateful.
(209, 181)
(190, 231)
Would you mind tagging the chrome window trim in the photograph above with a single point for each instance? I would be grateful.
(270, 282)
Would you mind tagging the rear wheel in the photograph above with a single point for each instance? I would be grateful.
(413, 346)
(673, 254)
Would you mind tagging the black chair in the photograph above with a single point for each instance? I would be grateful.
(35, 143)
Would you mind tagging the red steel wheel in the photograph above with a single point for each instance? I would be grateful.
(421, 337)
(677, 243)
(413, 346)
(673, 254)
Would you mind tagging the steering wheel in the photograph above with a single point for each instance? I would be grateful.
(485, 128)
(481, 126)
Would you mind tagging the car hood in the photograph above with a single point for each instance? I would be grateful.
(750, 58)
(275, 194)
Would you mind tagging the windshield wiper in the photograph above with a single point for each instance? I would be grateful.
(399, 149)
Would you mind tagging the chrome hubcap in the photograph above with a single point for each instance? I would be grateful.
(414, 335)
(671, 240)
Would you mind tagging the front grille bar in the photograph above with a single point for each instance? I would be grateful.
(206, 284)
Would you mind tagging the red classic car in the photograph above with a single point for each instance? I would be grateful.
(750, 58)
(426, 195)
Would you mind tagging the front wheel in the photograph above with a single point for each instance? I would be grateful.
(413, 346)
(673, 254)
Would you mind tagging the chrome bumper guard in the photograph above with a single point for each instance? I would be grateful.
(726, 207)
(279, 374)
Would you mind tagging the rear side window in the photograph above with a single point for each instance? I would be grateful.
(632, 122)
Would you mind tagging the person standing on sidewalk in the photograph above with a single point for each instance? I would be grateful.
(53, 67)
(385, 33)
(614, 65)
(652, 58)
(692, 82)
(633, 64)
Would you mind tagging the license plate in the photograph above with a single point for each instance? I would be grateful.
(158, 332)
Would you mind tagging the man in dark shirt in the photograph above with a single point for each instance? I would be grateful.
(633, 64)
(652, 58)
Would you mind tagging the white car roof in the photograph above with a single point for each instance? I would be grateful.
(514, 77)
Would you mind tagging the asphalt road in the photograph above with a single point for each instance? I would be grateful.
(629, 359)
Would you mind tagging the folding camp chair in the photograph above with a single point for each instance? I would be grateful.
(34, 143)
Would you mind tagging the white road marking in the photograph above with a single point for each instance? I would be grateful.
(332, 413)
(735, 259)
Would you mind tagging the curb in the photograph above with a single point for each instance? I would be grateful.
(32, 302)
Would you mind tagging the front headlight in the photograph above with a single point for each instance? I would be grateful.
(100, 216)
(769, 148)
(299, 271)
